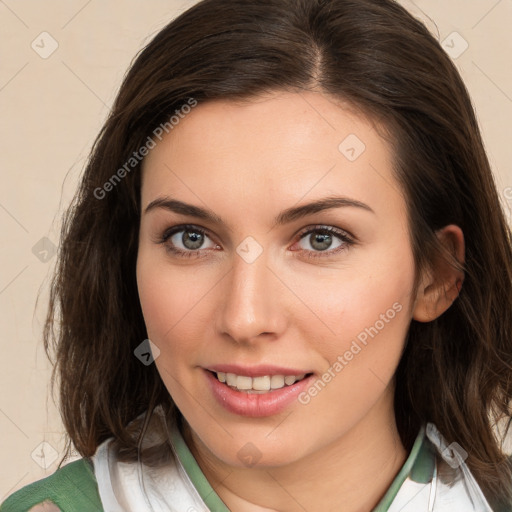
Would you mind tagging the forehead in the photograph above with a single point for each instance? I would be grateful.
(275, 149)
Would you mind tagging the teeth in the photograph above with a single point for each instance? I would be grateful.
(258, 384)
(289, 379)
(261, 383)
(276, 381)
(243, 382)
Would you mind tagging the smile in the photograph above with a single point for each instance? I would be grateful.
(260, 385)
(258, 396)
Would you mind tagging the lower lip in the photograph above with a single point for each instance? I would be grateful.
(255, 405)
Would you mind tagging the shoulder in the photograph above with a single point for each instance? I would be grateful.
(72, 488)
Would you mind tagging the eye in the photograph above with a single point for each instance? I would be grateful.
(189, 241)
(186, 241)
(324, 241)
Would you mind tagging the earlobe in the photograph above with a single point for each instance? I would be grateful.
(440, 285)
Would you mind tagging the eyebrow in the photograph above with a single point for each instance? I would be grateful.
(285, 217)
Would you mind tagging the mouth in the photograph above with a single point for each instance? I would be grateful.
(264, 394)
(257, 385)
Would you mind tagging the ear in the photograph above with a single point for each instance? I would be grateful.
(441, 283)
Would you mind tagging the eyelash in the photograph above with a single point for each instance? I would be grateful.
(347, 240)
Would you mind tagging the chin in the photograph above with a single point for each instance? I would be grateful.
(255, 450)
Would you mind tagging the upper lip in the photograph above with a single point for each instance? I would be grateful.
(256, 371)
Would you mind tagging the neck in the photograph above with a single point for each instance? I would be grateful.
(351, 474)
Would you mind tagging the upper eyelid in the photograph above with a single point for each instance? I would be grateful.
(330, 229)
(168, 232)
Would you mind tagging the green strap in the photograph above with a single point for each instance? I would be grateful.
(72, 488)
(419, 466)
(196, 475)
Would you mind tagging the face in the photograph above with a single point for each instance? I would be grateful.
(274, 242)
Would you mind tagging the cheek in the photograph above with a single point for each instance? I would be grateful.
(369, 313)
(366, 300)
(169, 296)
(169, 300)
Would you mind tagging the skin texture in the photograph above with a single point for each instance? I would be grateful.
(247, 162)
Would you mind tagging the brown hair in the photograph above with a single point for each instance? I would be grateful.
(455, 371)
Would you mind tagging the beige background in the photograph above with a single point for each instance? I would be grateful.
(51, 110)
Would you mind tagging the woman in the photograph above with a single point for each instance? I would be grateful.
(285, 281)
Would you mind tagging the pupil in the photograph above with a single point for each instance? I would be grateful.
(192, 239)
(321, 242)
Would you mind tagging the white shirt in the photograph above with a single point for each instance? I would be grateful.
(434, 478)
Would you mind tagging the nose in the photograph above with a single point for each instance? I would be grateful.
(252, 304)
